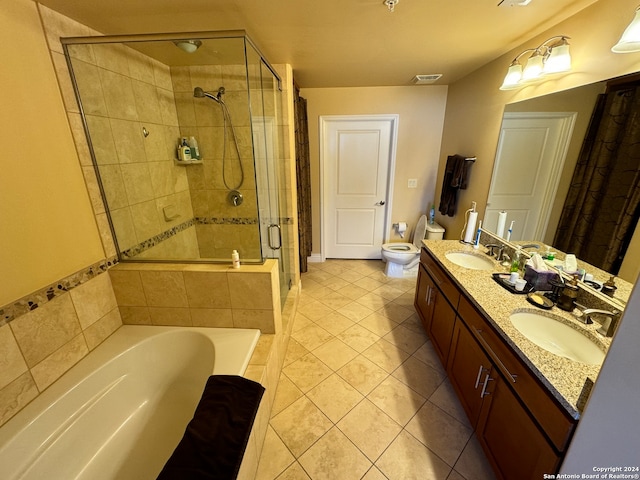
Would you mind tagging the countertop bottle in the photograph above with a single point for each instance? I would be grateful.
(235, 259)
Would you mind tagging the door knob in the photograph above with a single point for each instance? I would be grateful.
(381, 202)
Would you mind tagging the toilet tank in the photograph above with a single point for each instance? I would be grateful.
(434, 232)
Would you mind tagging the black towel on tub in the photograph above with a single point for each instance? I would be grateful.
(215, 439)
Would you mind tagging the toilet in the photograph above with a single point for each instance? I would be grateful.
(402, 258)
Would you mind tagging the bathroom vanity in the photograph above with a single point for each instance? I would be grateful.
(520, 398)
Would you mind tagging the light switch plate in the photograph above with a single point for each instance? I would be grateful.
(413, 183)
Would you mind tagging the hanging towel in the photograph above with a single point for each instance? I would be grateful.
(456, 176)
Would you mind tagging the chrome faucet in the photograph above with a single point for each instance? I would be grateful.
(608, 321)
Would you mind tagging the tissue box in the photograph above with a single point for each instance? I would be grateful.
(539, 280)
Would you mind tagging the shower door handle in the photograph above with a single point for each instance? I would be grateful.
(275, 225)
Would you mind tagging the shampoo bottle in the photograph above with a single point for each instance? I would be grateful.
(195, 151)
(432, 214)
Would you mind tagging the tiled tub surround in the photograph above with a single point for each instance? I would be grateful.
(199, 295)
(564, 378)
(38, 346)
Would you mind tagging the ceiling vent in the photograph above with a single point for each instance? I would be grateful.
(514, 3)
(426, 79)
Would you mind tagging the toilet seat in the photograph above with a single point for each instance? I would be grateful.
(401, 248)
(402, 257)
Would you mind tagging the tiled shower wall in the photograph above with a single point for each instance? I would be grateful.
(221, 227)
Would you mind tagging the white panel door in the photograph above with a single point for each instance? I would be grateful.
(529, 158)
(357, 157)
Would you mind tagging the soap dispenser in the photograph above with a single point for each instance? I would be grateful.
(567, 300)
(609, 287)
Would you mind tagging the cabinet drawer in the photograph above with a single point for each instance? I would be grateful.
(553, 419)
(440, 278)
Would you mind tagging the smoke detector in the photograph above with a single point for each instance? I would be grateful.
(426, 79)
(514, 3)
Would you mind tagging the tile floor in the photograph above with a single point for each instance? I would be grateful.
(362, 394)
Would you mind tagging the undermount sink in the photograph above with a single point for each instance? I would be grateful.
(557, 337)
(470, 260)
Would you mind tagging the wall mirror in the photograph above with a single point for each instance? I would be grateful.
(540, 148)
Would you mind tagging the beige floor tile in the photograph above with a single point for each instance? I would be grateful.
(295, 472)
(408, 459)
(373, 301)
(419, 377)
(314, 310)
(455, 476)
(428, 355)
(334, 323)
(374, 474)
(311, 337)
(334, 397)
(335, 354)
(395, 312)
(439, 431)
(362, 374)
(388, 291)
(335, 300)
(319, 276)
(353, 291)
(294, 351)
(385, 355)
(380, 276)
(396, 400)
(473, 464)
(335, 267)
(275, 457)
(300, 425)
(286, 394)
(406, 339)
(378, 324)
(355, 312)
(300, 322)
(307, 372)
(413, 322)
(334, 457)
(369, 428)
(405, 300)
(337, 284)
(351, 276)
(358, 338)
(446, 399)
(317, 292)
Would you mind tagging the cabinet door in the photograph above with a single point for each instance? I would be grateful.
(469, 369)
(442, 323)
(510, 438)
(423, 299)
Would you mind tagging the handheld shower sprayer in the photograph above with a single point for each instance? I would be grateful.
(198, 92)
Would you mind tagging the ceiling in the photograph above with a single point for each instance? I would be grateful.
(344, 43)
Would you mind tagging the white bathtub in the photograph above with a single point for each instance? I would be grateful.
(120, 412)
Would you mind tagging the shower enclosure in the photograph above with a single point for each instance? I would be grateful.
(142, 97)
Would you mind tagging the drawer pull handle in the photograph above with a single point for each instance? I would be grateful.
(478, 377)
(500, 365)
(484, 392)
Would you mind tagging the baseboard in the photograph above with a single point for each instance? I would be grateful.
(315, 258)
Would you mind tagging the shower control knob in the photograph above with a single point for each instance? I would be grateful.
(236, 198)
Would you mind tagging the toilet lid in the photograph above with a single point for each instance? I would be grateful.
(421, 231)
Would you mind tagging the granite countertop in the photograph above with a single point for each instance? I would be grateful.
(564, 378)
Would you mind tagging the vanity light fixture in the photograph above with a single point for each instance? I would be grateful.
(391, 4)
(630, 40)
(550, 57)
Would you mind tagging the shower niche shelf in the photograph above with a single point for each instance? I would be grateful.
(186, 163)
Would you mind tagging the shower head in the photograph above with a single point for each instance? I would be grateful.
(200, 93)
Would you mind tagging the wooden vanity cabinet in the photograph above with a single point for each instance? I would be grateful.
(522, 428)
(435, 301)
